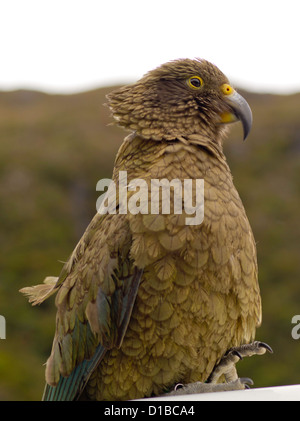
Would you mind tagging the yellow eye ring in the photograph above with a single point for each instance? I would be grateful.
(227, 89)
(195, 82)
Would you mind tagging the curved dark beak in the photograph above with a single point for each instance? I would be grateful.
(241, 111)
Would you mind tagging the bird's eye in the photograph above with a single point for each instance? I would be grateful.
(195, 82)
(227, 89)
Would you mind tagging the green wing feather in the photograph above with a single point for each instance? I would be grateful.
(71, 387)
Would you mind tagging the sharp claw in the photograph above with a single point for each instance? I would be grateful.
(266, 346)
(247, 382)
(237, 354)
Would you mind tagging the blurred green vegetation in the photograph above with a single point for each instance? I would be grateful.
(54, 149)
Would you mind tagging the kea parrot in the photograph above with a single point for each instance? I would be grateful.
(146, 301)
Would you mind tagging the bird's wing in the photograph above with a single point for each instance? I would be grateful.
(113, 317)
(70, 388)
(96, 292)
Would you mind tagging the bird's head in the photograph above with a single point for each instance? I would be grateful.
(178, 99)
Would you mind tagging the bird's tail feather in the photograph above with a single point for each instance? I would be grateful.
(39, 293)
(70, 388)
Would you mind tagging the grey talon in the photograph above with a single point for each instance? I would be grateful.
(235, 352)
(266, 346)
(246, 381)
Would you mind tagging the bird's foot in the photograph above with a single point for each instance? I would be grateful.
(199, 387)
(226, 367)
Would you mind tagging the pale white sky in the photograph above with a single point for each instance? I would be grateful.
(74, 45)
